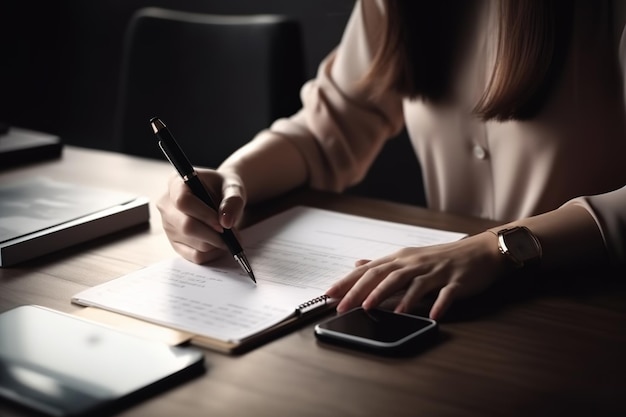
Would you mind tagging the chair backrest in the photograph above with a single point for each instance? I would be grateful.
(215, 80)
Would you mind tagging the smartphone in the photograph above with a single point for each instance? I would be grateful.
(378, 330)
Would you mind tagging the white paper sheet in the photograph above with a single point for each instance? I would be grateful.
(296, 255)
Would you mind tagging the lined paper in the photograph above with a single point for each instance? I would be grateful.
(296, 256)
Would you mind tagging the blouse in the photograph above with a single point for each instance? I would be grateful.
(572, 152)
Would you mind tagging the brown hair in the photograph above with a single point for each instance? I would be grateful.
(421, 43)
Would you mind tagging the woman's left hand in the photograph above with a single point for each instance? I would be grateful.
(457, 270)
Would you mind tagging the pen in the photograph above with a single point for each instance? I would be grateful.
(177, 158)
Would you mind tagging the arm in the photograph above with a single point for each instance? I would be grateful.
(329, 144)
(585, 231)
(339, 131)
(269, 166)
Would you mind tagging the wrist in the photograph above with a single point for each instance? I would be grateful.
(500, 264)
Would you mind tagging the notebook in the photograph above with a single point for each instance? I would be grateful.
(39, 216)
(296, 255)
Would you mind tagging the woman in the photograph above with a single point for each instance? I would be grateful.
(515, 110)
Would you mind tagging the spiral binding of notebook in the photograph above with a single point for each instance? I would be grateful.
(314, 303)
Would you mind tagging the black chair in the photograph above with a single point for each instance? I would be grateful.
(214, 80)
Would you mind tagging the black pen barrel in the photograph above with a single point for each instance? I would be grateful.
(179, 160)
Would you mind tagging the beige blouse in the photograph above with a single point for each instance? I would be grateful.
(498, 170)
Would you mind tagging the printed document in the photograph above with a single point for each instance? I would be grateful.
(296, 256)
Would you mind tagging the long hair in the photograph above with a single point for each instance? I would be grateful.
(422, 40)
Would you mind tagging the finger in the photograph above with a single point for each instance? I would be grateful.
(341, 287)
(364, 285)
(192, 232)
(420, 286)
(193, 255)
(394, 282)
(446, 296)
(361, 262)
(182, 199)
(233, 202)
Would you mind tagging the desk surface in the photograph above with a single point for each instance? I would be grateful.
(554, 348)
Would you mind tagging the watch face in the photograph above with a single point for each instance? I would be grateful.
(521, 244)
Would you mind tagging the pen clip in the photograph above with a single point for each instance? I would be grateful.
(171, 158)
(160, 143)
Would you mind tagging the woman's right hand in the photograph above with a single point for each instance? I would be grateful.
(192, 227)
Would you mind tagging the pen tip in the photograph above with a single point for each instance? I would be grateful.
(245, 265)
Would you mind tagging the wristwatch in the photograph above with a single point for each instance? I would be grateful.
(520, 246)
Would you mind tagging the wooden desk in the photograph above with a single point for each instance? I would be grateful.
(555, 349)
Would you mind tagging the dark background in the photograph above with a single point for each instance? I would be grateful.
(60, 64)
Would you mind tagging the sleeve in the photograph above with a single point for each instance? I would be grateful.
(339, 129)
(609, 212)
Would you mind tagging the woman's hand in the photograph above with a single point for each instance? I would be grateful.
(459, 269)
(192, 227)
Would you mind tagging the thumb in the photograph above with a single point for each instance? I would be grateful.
(232, 205)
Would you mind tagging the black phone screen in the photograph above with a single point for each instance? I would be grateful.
(375, 328)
